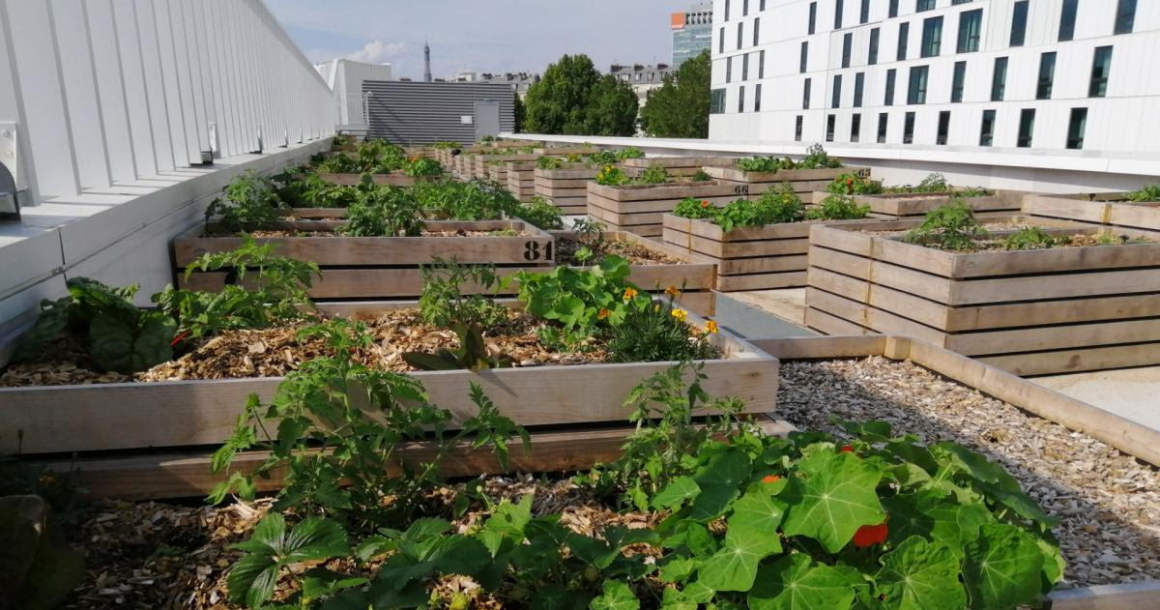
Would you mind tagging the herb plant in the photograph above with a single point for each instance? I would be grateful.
(949, 227)
(1031, 238)
(422, 167)
(443, 304)
(937, 183)
(250, 203)
(657, 331)
(1146, 194)
(653, 175)
(853, 184)
(541, 213)
(611, 175)
(549, 163)
(838, 207)
(694, 208)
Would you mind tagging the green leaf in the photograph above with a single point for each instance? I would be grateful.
(677, 600)
(676, 493)
(314, 539)
(252, 579)
(832, 496)
(511, 519)
(267, 538)
(131, 342)
(551, 597)
(426, 528)
(756, 517)
(617, 596)
(751, 536)
(795, 582)
(935, 517)
(720, 481)
(678, 569)
(1003, 568)
(919, 575)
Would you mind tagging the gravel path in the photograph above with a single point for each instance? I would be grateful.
(1108, 503)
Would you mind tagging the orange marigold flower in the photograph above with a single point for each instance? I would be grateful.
(770, 478)
(711, 327)
(673, 291)
(604, 313)
(680, 314)
(869, 535)
(630, 293)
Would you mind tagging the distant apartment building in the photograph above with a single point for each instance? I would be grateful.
(520, 81)
(692, 33)
(1049, 76)
(642, 78)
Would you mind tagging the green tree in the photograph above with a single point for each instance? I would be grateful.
(573, 98)
(612, 108)
(520, 110)
(680, 108)
(558, 103)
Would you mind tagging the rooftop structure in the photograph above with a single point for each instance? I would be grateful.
(692, 32)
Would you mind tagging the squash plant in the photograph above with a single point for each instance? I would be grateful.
(876, 521)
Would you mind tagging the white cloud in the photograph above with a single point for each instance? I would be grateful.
(376, 51)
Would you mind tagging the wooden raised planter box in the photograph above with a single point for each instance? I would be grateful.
(676, 166)
(1034, 312)
(566, 188)
(1112, 209)
(640, 208)
(521, 179)
(170, 417)
(763, 258)
(566, 150)
(485, 164)
(1130, 437)
(804, 181)
(376, 267)
(906, 205)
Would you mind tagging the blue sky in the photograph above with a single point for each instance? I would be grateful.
(481, 35)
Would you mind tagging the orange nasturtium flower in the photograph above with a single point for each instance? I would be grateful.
(705, 204)
(630, 293)
(680, 314)
(770, 478)
(869, 535)
(673, 291)
(711, 327)
(847, 449)
(604, 313)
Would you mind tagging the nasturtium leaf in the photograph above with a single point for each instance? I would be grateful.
(676, 493)
(795, 582)
(1003, 568)
(755, 519)
(551, 597)
(936, 517)
(920, 575)
(698, 592)
(616, 596)
(677, 569)
(833, 496)
(677, 600)
(1053, 562)
(720, 481)
(699, 540)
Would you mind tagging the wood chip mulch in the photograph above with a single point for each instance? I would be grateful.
(275, 352)
(635, 254)
(1108, 503)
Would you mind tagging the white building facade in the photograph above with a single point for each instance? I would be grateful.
(1076, 82)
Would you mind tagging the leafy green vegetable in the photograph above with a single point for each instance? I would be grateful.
(949, 227)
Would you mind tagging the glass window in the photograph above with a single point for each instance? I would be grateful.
(1076, 127)
(944, 127)
(908, 129)
(960, 79)
(855, 128)
(838, 14)
(717, 101)
(916, 93)
(1125, 16)
(761, 65)
(805, 57)
(859, 84)
(740, 34)
(744, 8)
(970, 30)
(721, 45)
(864, 15)
(806, 94)
(958, 2)
(999, 79)
(1026, 127)
(872, 57)
(836, 100)
(813, 17)
(1101, 70)
(883, 120)
(741, 98)
(923, 5)
(847, 49)
(762, 8)
(932, 36)
(757, 98)
(726, 10)
(797, 129)
(756, 31)
(831, 123)
(1046, 76)
(903, 35)
(1019, 23)
(728, 69)
(890, 77)
(1067, 20)
(893, 8)
(987, 132)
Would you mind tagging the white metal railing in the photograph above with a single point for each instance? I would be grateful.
(96, 93)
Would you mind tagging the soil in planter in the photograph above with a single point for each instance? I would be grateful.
(635, 254)
(425, 233)
(1108, 503)
(153, 556)
(274, 352)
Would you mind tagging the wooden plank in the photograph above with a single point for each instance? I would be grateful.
(671, 163)
(1076, 360)
(822, 348)
(918, 204)
(1070, 285)
(1128, 596)
(761, 281)
(1072, 336)
(646, 206)
(833, 326)
(767, 264)
(1128, 436)
(654, 192)
(748, 249)
(797, 175)
(1052, 312)
(1029, 262)
(836, 283)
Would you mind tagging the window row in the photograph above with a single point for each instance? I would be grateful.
(918, 76)
(1076, 128)
(744, 59)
